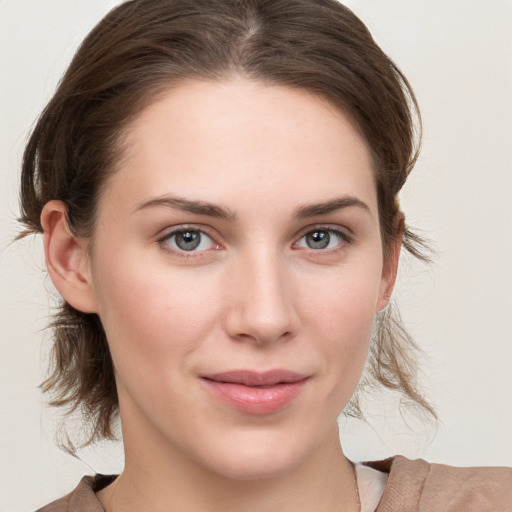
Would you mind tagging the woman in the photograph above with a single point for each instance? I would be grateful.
(217, 187)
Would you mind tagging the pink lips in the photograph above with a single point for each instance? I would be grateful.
(256, 393)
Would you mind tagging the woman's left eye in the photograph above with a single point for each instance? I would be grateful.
(322, 239)
(189, 240)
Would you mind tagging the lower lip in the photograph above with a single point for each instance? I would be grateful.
(254, 399)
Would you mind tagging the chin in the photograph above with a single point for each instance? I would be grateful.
(259, 456)
(258, 466)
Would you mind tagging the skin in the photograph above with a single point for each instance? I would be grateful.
(254, 295)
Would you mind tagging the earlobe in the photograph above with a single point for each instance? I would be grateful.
(390, 268)
(67, 259)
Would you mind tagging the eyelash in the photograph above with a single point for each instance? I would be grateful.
(342, 237)
(164, 242)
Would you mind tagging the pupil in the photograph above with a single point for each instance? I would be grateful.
(188, 240)
(318, 240)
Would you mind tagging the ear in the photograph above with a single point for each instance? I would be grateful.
(67, 258)
(390, 267)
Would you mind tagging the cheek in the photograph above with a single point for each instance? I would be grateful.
(342, 313)
(152, 313)
(343, 301)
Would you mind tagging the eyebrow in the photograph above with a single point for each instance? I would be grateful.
(221, 212)
(323, 208)
(190, 206)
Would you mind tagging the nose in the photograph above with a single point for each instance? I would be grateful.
(261, 301)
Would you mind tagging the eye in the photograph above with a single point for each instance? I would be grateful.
(189, 240)
(322, 239)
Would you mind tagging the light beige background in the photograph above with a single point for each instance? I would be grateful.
(458, 56)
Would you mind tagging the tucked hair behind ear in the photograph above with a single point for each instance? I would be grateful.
(144, 47)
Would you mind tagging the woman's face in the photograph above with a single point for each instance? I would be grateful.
(237, 268)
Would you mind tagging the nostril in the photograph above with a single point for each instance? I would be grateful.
(261, 308)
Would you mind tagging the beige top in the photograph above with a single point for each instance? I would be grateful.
(412, 486)
(417, 486)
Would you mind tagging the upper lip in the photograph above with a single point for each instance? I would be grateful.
(255, 378)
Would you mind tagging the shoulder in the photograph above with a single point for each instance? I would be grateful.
(83, 498)
(416, 485)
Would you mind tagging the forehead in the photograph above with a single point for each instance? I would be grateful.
(218, 139)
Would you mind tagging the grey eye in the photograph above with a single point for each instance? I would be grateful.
(319, 239)
(322, 238)
(188, 240)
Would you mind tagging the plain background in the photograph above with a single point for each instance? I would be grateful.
(458, 57)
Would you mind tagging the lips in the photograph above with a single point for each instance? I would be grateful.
(254, 392)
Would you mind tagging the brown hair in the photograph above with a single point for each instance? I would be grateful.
(143, 47)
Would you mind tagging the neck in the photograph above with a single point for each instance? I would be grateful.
(163, 480)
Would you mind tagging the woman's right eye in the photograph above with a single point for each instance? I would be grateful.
(188, 241)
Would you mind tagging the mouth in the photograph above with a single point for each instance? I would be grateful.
(254, 392)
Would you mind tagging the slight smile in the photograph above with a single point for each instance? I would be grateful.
(255, 392)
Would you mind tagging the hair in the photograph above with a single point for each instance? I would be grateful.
(145, 47)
